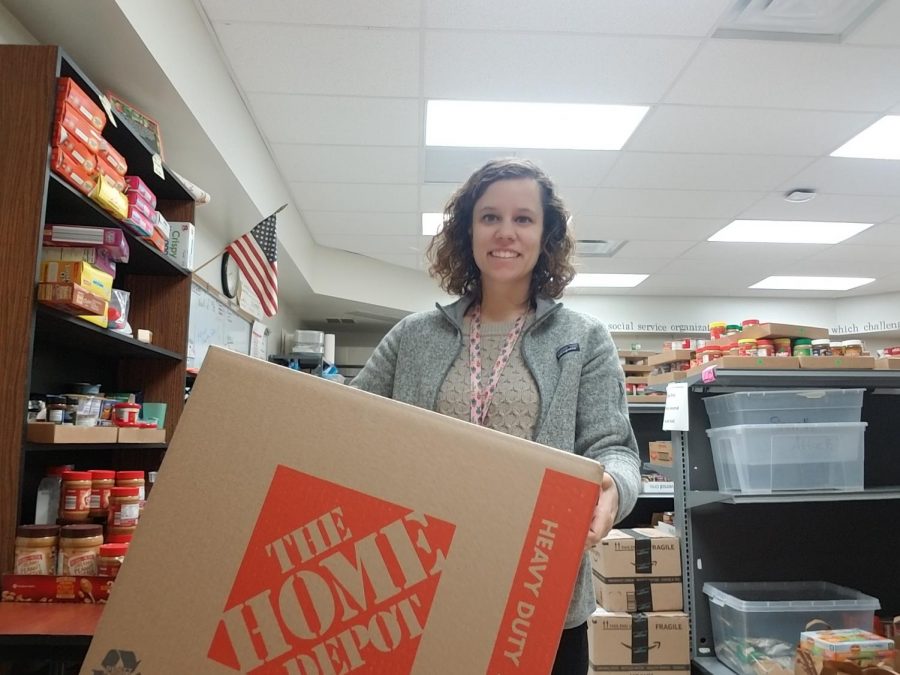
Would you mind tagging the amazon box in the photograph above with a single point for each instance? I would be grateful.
(639, 644)
(300, 526)
(638, 570)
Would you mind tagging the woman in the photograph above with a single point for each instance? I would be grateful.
(506, 356)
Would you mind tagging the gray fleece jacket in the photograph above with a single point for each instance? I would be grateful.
(582, 395)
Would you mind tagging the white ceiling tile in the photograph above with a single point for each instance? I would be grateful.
(575, 168)
(665, 229)
(575, 198)
(702, 172)
(879, 28)
(718, 271)
(355, 197)
(300, 60)
(335, 164)
(556, 67)
(727, 250)
(364, 13)
(337, 120)
(650, 17)
(841, 175)
(433, 196)
(670, 203)
(455, 165)
(845, 252)
(618, 265)
(366, 225)
(887, 234)
(836, 266)
(748, 131)
(370, 244)
(696, 284)
(775, 74)
(828, 207)
(666, 249)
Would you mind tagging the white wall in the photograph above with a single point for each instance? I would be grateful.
(12, 32)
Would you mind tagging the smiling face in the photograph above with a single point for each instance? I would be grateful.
(507, 226)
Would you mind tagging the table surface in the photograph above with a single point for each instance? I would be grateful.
(60, 622)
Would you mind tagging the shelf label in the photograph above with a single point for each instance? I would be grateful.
(157, 166)
(108, 108)
(709, 375)
(675, 417)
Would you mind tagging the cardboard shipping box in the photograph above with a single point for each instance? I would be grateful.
(300, 526)
(638, 570)
(639, 644)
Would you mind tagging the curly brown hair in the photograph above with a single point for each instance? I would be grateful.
(450, 252)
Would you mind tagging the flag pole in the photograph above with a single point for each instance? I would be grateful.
(197, 269)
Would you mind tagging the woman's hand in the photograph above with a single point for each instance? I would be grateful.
(604, 513)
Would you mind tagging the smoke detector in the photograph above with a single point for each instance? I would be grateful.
(597, 248)
(800, 196)
(804, 20)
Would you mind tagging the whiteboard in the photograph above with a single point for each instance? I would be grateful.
(212, 322)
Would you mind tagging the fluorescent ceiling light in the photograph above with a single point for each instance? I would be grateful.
(812, 283)
(432, 223)
(607, 280)
(788, 231)
(565, 126)
(879, 141)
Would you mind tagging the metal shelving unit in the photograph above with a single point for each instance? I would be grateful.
(843, 537)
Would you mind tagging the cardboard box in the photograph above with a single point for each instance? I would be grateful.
(670, 356)
(47, 588)
(837, 362)
(639, 644)
(661, 453)
(112, 239)
(750, 363)
(136, 185)
(637, 570)
(646, 398)
(63, 140)
(72, 171)
(75, 123)
(69, 93)
(82, 273)
(98, 257)
(115, 159)
(72, 298)
(156, 238)
(889, 363)
(110, 198)
(665, 378)
(109, 172)
(332, 526)
(180, 247)
(130, 435)
(46, 432)
(138, 222)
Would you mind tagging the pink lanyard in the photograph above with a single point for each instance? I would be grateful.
(481, 398)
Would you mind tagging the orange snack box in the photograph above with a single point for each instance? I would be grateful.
(72, 298)
(67, 92)
(109, 172)
(71, 170)
(74, 148)
(75, 124)
(115, 160)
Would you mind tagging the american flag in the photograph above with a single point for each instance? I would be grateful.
(256, 254)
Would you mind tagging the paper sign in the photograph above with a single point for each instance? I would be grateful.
(675, 417)
(258, 340)
(108, 108)
(157, 166)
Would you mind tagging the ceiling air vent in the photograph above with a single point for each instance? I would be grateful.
(597, 248)
(332, 320)
(803, 20)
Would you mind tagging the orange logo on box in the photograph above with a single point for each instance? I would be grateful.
(332, 580)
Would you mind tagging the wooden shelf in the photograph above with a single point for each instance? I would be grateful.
(68, 206)
(75, 447)
(77, 334)
(45, 624)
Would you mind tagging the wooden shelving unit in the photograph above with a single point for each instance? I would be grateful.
(44, 349)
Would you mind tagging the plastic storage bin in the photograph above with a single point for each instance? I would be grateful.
(785, 407)
(762, 458)
(756, 625)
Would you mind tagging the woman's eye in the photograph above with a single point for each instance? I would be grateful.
(489, 217)
(523, 219)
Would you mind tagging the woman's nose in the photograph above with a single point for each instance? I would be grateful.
(507, 229)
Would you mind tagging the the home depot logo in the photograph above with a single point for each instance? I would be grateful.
(332, 580)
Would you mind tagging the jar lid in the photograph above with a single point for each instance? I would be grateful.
(59, 470)
(76, 475)
(717, 324)
(853, 343)
(802, 341)
(112, 550)
(124, 492)
(746, 341)
(127, 406)
(750, 322)
(102, 474)
(766, 342)
(129, 475)
(732, 326)
(119, 538)
(80, 531)
(822, 341)
(36, 531)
